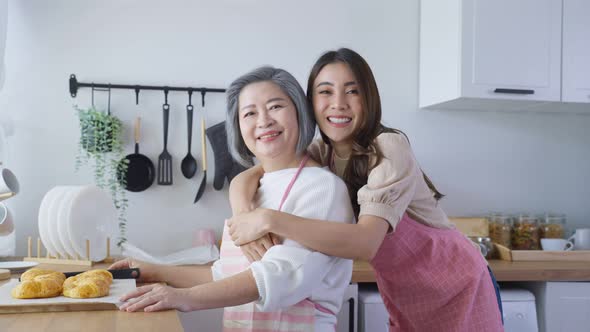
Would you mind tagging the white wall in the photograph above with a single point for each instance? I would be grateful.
(3, 24)
(481, 161)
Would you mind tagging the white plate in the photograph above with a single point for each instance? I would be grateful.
(17, 265)
(63, 212)
(52, 222)
(92, 216)
(47, 201)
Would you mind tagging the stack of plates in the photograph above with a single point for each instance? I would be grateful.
(17, 266)
(70, 215)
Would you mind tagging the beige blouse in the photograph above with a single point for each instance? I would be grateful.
(394, 186)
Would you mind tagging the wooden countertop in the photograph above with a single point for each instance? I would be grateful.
(169, 321)
(90, 321)
(508, 271)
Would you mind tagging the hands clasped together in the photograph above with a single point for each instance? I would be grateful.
(249, 231)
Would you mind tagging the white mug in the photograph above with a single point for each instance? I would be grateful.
(6, 223)
(8, 184)
(581, 239)
(556, 245)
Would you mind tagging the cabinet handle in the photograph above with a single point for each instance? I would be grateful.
(514, 91)
(351, 321)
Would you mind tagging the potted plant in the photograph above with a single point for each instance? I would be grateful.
(101, 144)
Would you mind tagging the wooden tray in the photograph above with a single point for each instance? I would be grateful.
(507, 254)
(8, 305)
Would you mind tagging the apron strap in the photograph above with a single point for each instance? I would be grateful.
(301, 165)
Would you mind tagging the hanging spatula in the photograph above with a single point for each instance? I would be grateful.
(165, 159)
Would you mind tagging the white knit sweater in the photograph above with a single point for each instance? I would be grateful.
(290, 273)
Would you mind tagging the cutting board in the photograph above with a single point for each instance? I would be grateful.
(4, 274)
(61, 303)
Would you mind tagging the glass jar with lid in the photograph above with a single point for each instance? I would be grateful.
(525, 233)
(501, 229)
(553, 226)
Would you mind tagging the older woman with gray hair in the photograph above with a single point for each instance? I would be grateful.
(292, 288)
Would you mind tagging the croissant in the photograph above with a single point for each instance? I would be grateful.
(93, 283)
(38, 283)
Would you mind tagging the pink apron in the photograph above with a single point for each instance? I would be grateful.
(432, 279)
(299, 317)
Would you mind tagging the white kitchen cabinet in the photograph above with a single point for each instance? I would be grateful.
(204, 320)
(511, 46)
(501, 54)
(562, 306)
(576, 51)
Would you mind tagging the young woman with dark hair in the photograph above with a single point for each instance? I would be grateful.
(430, 276)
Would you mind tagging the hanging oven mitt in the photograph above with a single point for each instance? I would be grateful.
(225, 165)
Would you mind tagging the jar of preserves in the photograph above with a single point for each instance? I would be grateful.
(553, 226)
(525, 233)
(501, 230)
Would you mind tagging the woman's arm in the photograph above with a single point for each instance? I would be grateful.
(242, 189)
(185, 276)
(355, 241)
(241, 194)
(235, 290)
(176, 276)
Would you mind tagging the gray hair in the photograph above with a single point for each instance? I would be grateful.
(290, 86)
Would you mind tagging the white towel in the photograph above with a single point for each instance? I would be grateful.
(195, 255)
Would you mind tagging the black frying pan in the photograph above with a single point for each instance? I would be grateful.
(140, 169)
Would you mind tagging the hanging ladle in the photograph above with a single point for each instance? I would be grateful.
(189, 163)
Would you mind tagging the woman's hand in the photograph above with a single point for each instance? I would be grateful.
(157, 297)
(249, 226)
(256, 249)
(147, 271)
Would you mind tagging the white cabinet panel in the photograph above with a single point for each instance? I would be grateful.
(204, 320)
(512, 45)
(576, 51)
(510, 55)
(563, 306)
(568, 306)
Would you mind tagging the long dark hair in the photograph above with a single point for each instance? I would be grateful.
(363, 146)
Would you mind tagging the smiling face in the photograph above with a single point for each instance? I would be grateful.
(268, 122)
(337, 103)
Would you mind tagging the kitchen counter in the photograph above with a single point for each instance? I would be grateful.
(508, 271)
(169, 320)
(90, 321)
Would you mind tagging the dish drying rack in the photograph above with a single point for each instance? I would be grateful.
(67, 260)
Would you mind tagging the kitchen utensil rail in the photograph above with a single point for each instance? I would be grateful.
(75, 85)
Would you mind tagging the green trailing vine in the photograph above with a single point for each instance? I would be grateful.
(101, 144)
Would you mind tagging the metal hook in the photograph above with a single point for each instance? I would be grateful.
(137, 95)
(92, 94)
(203, 92)
(109, 104)
(190, 97)
(166, 95)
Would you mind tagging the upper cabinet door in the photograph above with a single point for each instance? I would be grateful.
(576, 51)
(512, 49)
